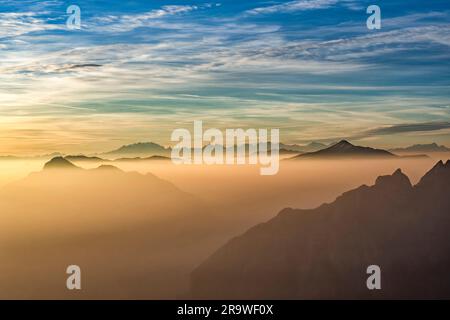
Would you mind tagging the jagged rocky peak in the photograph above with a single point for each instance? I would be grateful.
(438, 168)
(440, 171)
(389, 222)
(397, 179)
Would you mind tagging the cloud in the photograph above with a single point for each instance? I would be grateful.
(312, 79)
(86, 65)
(128, 22)
(406, 128)
(293, 6)
(13, 24)
(353, 47)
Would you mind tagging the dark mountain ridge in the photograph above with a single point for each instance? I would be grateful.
(140, 149)
(59, 163)
(344, 149)
(323, 253)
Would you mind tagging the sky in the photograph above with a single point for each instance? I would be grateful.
(137, 70)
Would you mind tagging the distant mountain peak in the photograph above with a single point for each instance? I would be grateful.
(59, 163)
(82, 157)
(345, 149)
(343, 144)
(140, 149)
(107, 167)
(139, 146)
(314, 144)
(430, 147)
(397, 179)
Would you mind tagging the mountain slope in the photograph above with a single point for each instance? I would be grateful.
(345, 149)
(314, 146)
(83, 158)
(323, 253)
(59, 163)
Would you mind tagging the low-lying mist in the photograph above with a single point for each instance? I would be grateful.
(138, 232)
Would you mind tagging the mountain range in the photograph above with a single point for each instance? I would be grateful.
(324, 253)
(136, 235)
(344, 149)
(311, 147)
(147, 150)
(421, 148)
(141, 149)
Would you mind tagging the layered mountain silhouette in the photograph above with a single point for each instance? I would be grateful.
(141, 149)
(37, 157)
(83, 158)
(310, 147)
(107, 183)
(324, 253)
(145, 150)
(421, 148)
(59, 163)
(314, 146)
(344, 149)
(137, 235)
(152, 158)
(294, 148)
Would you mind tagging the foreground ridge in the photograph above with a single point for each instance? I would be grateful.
(323, 253)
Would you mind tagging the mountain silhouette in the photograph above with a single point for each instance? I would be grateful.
(324, 253)
(59, 163)
(137, 235)
(314, 146)
(310, 147)
(83, 158)
(417, 148)
(81, 178)
(141, 149)
(152, 158)
(283, 149)
(292, 148)
(344, 149)
(107, 167)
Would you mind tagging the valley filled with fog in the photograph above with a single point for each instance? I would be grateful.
(139, 228)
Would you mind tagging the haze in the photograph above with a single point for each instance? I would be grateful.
(139, 235)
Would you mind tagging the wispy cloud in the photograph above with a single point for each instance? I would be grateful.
(162, 66)
(292, 6)
(13, 24)
(128, 22)
(408, 127)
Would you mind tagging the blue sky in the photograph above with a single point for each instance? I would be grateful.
(137, 70)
